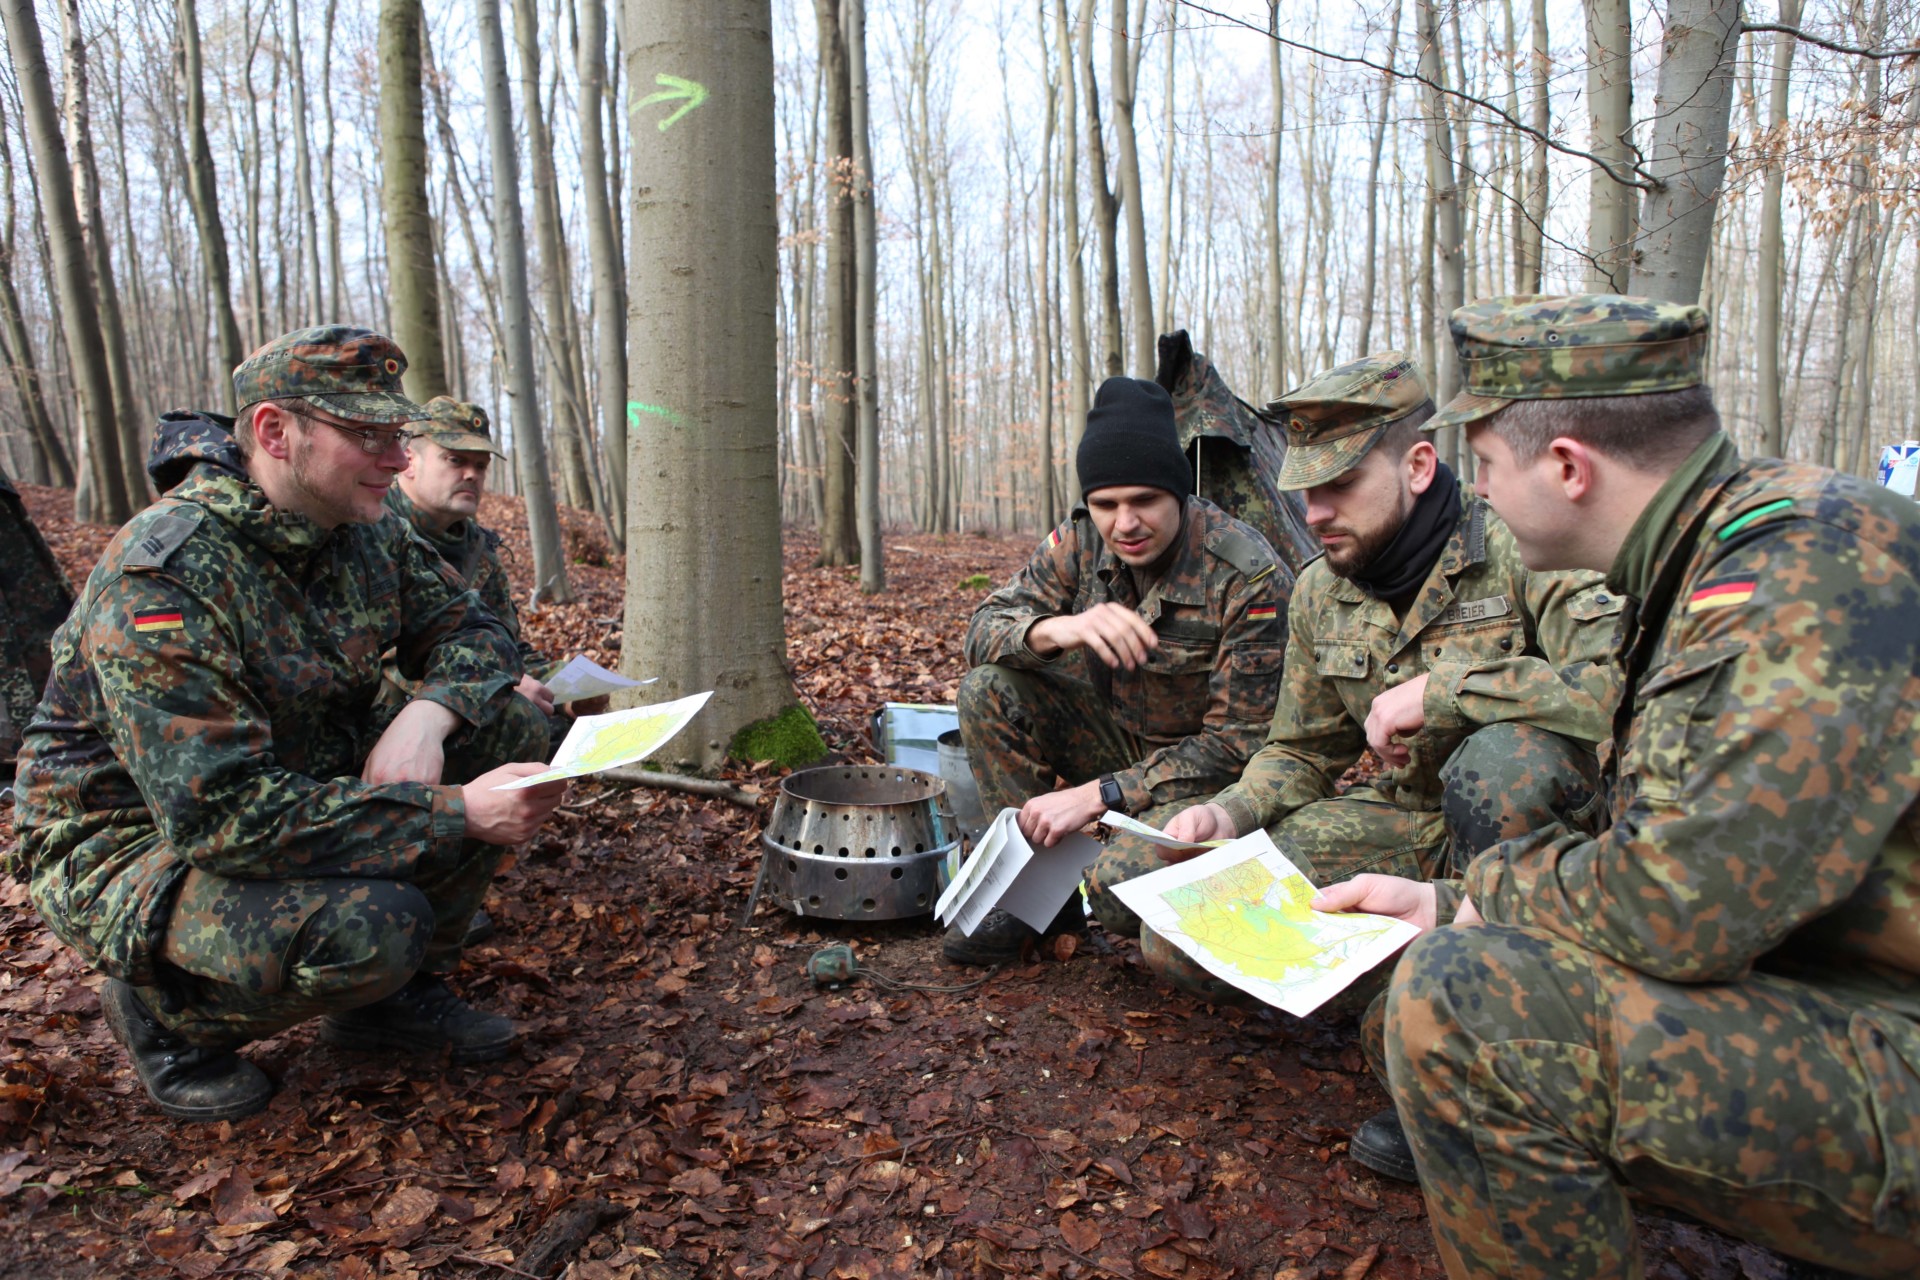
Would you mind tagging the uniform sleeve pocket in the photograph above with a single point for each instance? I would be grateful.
(1670, 731)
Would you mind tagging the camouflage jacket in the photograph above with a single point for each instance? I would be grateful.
(1200, 702)
(1765, 768)
(473, 550)
(34, 599)
(212, 704)
(1495, 642)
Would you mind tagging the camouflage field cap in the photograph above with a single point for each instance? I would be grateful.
(1535, 347)
(1337, 416)
(455, 424)
(351, 373)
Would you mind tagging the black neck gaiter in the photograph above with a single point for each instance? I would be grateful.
(1403, 564)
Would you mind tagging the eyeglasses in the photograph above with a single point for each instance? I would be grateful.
(372, 439)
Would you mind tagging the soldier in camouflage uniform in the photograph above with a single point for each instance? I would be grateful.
(439, 495)
(212, 814)
(1481, 686)
(1136, 656)
(1715, 1004)
(34, 599)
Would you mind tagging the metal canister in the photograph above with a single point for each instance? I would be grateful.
(858, 842)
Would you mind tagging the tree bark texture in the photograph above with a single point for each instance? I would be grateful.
(128, 456)
(1687, 156)
(1080, 375)
(1274, 312)
(873, 565)
(609, 291)
(509, 239)
(203, 193)
(413, 284)
(1773, 435)
(839, 539)
(1106, 206)
(1132, 198)
(703, 513)
(566, 398)
(1610, 112)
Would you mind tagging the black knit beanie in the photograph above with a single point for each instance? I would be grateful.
(1131, 439)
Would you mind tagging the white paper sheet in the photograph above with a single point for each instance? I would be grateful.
(582, 677)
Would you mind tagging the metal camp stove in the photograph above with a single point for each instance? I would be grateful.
(858, 842)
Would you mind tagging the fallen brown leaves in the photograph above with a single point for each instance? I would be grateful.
(685, 1102)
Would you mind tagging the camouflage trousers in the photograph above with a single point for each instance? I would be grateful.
(245, 959)
(1542, 1085)
(1504, 781)
(1023, 729)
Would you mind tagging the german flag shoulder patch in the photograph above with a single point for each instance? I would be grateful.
(1721, 594)
(160, 620)
(1263, 612)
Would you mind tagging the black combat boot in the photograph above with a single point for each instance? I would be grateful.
(188, 1082)
(422, 1017)
(1001, 936)
(479, 929)
(1381, 1145)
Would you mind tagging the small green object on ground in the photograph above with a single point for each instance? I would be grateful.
(790, 739)
(978, 582)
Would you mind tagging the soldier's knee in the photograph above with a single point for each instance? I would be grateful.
(984, 692)
(366, 943)
(1115, 916)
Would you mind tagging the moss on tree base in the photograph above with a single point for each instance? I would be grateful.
(790, 739)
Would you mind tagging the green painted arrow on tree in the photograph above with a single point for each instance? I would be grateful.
(688, 93)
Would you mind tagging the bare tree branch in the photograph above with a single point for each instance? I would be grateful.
(1836, 46)
(1634, 176)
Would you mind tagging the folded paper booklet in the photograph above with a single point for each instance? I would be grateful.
(1240, 911)
(619, 737)
(1005, 871)
(582, 677)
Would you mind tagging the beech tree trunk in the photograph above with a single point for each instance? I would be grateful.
(1688, 153)
(873, 567)
(509, 239)
(413, 284)
(1370, 260)
(1080, 374)
(609, 291)
(49, 463)
(203, 194)
(1274, 363)
(129, 455)
(839, 540)
(1610, 108)
(1448, 241)
(1534, 231)
(703, 511)
(1106, 206)
(100, 496)
(1124, 72)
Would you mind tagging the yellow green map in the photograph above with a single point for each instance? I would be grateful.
(1241, 912)
(619, 737)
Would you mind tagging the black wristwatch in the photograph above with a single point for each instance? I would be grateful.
(1110, 794)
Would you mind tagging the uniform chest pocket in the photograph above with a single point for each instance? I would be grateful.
(1673, 720)
(1174, 687)
(1342, 659)
(1474, 642)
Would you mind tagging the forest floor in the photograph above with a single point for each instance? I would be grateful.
(685, 1102)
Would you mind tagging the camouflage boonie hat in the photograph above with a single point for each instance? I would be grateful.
(1535, 347)
(351, 373)
(455, 424)
(1337, 416)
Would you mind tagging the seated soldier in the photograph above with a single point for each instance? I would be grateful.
(1136, 656)
(210, 813)
(34, 599)
(1713, 1005)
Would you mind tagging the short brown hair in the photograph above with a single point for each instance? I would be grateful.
(1404, 433)
(243, 429)
(1651, 432)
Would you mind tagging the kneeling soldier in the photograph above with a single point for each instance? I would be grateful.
(1136, 656)
(210, 811)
